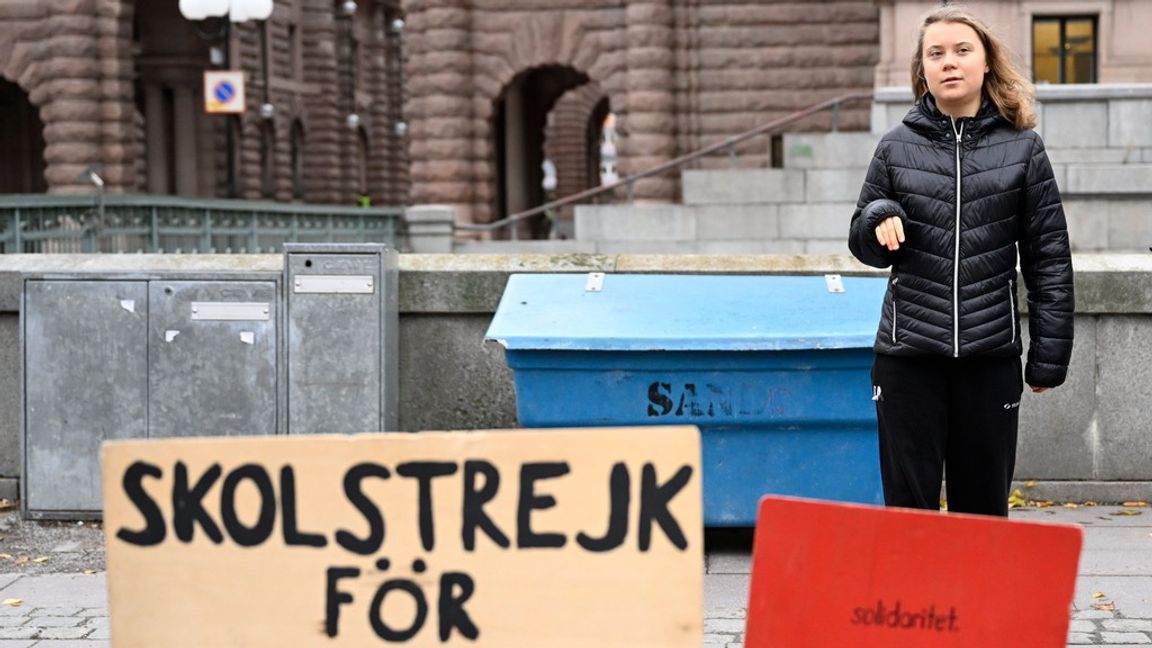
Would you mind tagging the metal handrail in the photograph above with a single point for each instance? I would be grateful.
(730, 143)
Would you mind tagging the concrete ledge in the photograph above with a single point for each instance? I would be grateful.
(1101, 492)
(741, 186)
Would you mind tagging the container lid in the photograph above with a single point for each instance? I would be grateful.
(598, 312)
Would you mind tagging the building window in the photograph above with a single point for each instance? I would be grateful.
(1064, 49)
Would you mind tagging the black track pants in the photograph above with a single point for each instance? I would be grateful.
(938, 413)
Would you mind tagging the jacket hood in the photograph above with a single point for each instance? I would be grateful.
(926, 118)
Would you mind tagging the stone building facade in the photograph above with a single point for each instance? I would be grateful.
(458, 101)
(678, 74)
(116, 86)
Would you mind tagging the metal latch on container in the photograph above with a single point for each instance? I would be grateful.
(834, 282)
(595, 282)
(231, 311)
(358, 284)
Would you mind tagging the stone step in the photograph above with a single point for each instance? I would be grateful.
(548, 246)
(771, 186)
(828, 150)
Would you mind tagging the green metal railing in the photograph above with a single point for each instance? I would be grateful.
(146, 223)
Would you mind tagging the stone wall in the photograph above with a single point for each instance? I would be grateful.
(76, 60)
(1087, 440)
(678, 75)
(69, 56)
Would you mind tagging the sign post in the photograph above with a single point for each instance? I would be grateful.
(509, 539)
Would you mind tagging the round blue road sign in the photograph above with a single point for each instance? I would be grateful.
(224, 91)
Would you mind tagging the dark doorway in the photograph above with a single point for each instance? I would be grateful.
(22, 142)
(519, 118)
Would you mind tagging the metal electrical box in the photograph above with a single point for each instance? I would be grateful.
(85, 341)
(117, 356)
(212, 351)
(341, 337)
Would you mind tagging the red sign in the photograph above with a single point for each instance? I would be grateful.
(827, 575)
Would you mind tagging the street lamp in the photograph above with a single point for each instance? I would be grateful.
(226, 12)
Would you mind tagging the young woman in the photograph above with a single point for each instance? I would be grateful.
(951, 195)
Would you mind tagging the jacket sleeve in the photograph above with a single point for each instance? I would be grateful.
(876, 203)
(1046, 263)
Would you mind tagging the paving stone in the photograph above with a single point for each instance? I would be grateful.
(57, 611)
(72, 643)
(1079, 638)
(101, 633)
(19, 633)
(94, 612)
(16, 643)
(64, 633)
(1093, 614)
(1084, 625)
(55, 621)
(14, 611)
(727, 613)
(1127, 625)
(1125, 638)
(96, 622)
(729, 626)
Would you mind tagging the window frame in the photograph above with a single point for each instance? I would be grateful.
(1063, 57)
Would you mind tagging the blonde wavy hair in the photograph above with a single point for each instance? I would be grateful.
(1004, 85)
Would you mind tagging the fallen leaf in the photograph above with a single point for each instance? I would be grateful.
(7, 504)
(1089, 503)
(1135, 504)
(1098, 595)
(41, 559)
(91, 571)
(1126, 512)
(1071, 505)
(1107, 607)
(22, 560)
(1044, 504)
(1030, 484)
(943, 504)
(1016, 500)
(5, 556)
(12, 602)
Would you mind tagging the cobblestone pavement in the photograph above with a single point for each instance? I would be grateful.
(65, 610)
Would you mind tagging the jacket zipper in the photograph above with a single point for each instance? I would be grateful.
(894, 281)
(956, 260)
(1012, 305)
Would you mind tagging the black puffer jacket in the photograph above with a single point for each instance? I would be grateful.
(952, 290)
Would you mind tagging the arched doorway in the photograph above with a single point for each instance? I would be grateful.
(22, 142)
(170, 63)
(519, 118)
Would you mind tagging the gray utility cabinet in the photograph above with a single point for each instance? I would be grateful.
(341, 338)
(311, 349)
(139, 357)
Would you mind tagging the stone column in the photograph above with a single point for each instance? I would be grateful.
(117, 130)
(154, 148)
(650, 119)
(439, 104)
(184, 114)
(69, 96)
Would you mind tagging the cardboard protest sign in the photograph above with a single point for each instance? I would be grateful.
(849, 575)
(559, 538)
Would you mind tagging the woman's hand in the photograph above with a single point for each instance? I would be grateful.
(890, 233)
